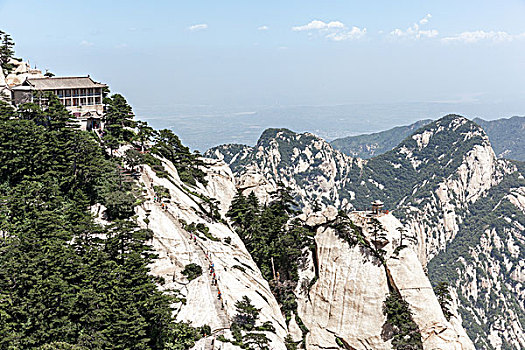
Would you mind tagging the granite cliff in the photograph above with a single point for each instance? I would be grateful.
(348, 284)
(444, 183)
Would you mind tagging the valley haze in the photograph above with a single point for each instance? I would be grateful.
(203, 127)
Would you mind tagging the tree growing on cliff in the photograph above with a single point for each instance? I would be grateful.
(6, 51)
(270, 236)
(247, 314)
(133, 158)
(144, 133)
(192, 271)
(405, 333)
(442, 290)
(169, 146)
(118, 117)
(238, 210)
(62, 286)
(256, 341)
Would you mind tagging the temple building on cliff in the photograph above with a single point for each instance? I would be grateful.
(82, 96)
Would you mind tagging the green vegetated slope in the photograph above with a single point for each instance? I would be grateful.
(484, 260)
(232, 153)
(407, 179)
(507, 136)
(67, 282)
(370, 145)
(389, 177)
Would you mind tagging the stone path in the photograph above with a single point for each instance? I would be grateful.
(205, 259)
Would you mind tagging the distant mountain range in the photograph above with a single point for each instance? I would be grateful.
(369, 145)
(444, 182)
(507, 137)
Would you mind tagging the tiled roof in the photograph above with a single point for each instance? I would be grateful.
(54, 83)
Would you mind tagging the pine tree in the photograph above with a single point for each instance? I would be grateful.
(6, 51)
(6, 111)
(133, 158)
(62, 285)
(442, 290)
(118, 116)
(145, 133)
(58, 117)
(257, 341)
(238, 210)
(405, 332)
(247, 314)
(169, 146)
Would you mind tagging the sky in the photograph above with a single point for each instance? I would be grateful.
(161, 53)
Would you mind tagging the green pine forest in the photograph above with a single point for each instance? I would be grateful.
(67, 282)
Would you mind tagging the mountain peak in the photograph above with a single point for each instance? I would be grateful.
(448, 135)
(272, 133)
(284, 135)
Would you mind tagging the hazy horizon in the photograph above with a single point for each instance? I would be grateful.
(178, 62)
(202, 127)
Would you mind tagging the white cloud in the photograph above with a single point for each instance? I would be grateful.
(319, 25)
(197, 27)
(86, 43)
(354, 33)
(481, 35)
(334, 30)
(121, 46)
(263, 28)
(415, 31)
(428, 33)
(425, 19)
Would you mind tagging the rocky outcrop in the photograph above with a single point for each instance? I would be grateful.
(22, 71)
(303, 162)
(237, 274)
(346, 300)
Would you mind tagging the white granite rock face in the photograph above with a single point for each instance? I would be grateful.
(479, 171)
(316, 159)
(237, 274)
(5, 93)
(434, 210)
(346, 300)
